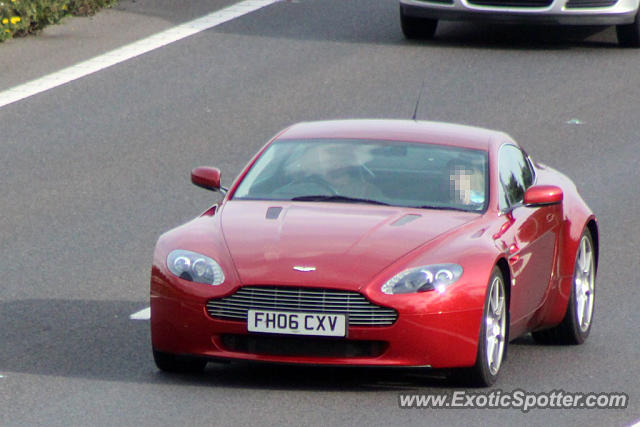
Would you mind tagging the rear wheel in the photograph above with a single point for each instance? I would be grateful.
(576, 325)
(173, 363)
(492, 342)
(417, 28)
(629, 34)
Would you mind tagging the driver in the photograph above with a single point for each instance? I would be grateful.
(466, 183)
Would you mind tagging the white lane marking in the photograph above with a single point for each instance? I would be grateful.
(144, 314)
(129, 51)
(636, 424)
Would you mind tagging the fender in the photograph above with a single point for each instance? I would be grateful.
(471, 246)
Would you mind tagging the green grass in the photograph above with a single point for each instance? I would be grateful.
(22, 17)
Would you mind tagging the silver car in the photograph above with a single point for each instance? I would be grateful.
(419, 18)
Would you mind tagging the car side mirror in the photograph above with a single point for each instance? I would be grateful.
(542, 195)
(206, 177)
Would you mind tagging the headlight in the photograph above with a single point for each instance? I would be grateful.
(195, 267)
(425, 278)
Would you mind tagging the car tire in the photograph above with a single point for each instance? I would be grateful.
(173, 363)
(629, 34)
(492, 341)
(576, 324)
(415, 28)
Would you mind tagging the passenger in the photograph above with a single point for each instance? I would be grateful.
(341, 169)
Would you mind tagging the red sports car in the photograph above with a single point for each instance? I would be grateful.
(377, 243)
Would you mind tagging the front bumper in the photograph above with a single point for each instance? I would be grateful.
(180, 324)
(554, 12)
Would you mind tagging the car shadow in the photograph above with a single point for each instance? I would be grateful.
(521, 37)
(524, 341)
(98, 340)
(316, 378)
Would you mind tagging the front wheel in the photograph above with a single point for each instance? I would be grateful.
(576, 325)
(492, 342)
(417, 28)
(629, 34)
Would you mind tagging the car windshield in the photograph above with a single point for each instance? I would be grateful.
(369, 171)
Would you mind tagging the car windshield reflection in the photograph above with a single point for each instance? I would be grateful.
(426, 176)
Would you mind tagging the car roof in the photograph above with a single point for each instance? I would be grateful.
(397, 130)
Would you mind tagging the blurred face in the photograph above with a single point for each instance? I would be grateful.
(460, 184)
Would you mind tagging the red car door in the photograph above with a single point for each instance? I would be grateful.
(528, 236)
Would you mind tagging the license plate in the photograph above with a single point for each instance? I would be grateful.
(287, 322)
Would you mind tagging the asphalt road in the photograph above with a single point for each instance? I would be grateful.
(94, 171)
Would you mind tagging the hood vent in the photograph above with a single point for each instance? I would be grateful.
(273, 212)
(405, 220)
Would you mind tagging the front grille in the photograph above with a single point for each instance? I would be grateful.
(278, 345)
(359, 310)
(438, 1)
(575, 4)
(512, 3)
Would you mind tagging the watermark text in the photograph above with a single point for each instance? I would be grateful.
(516, 399)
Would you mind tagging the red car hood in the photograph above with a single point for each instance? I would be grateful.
(347, 244)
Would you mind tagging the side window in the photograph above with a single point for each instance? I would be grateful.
(515, 176)
(527, 172)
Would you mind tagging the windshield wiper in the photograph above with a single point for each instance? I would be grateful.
(336, 198)
(443, 208)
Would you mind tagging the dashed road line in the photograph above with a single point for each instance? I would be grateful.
(144, 314)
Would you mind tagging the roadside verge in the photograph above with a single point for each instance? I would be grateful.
(22, 17)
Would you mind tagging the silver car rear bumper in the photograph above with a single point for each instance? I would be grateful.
(564, 12)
